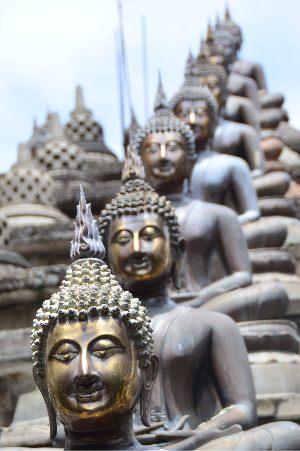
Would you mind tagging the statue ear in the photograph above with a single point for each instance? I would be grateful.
(150, 374)
(176, 261)
(41, 383)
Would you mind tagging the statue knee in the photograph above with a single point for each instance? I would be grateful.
(273, 300)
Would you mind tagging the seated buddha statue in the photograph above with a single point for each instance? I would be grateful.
(198, 374)
(250, 69)
(92, 350)
(231, 184)
(222, 49)
(229, 137)
(213, 233)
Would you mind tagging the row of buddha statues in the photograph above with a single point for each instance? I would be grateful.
(170, 328)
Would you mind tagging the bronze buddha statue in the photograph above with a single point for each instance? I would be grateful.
(250, 69)
(216, 176)
(223, 179)
(92, 350)
(213, 235)
(199, 374)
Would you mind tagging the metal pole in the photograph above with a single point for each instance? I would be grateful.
(145, 67)
(120, 81)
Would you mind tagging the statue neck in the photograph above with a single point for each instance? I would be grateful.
(156, 301)
(120, 437)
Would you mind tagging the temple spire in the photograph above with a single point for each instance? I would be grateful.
(86, 242)
(190, 66)
(218, 23)
(204, 50)
(161, 98)
(79, 104)
(56, 130)
(227, 13)
(133, 167)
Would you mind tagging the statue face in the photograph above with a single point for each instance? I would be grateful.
(237, 37)
(165, 158)
(92, 372)
(224, 47)
(213, 84)
(139, 250)
(195, 114)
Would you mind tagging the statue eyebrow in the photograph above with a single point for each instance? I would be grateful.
(112, 338)
(57, 345)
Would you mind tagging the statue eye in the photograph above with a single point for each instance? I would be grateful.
(105, 352)
(123, 238)
(66, 357)
(150, 233)
(153, 148)
(105, 347)
(173, 145)
(200, 112)
(184, 113)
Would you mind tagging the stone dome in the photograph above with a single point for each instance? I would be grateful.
(60, 155)
(26, 185)
(83, 130)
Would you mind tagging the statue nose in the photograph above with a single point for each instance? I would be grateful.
(163, 151)
(86, 372)
(192, 118)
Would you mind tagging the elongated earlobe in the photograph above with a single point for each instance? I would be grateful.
(149, 380)
(40, 382)
(176, 262)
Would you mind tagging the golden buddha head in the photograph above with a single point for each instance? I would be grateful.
(141, 233)
(92, 342)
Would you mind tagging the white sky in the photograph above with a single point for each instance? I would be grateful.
(50, 46)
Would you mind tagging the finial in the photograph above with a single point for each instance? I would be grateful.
(204, 50)
(86, 242)
(56, 130)
(35, 127)
(227, 13)
(210, 34)
(79, 104)
(161, 98)
(190, 67)
(218, 22)
(48, 116)
(133, 167)
(133, 117)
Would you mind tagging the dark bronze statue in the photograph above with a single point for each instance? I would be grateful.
(92, 350)
(222, 179)
(212, 232)
(215, 178)
(204, 371)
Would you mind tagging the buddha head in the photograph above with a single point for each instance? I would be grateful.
(196, 106)
(92, 344)
(212, 76)
(231, 27)
(221, 45)
(166, 146)
(141, 233)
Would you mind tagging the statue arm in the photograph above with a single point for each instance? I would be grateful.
(234, 255)
(254, 153)
(230, 370)
(243, 192)
(259, 76)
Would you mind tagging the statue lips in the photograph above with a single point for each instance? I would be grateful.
(164, 165)
(139, 262)
(88, 394)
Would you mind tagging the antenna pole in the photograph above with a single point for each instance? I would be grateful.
(145, 66)
(120, 82)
